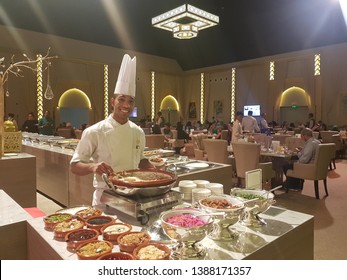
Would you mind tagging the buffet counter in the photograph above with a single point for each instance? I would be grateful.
(18, 177)
(55, 179)
(288, 235)
(13, 224)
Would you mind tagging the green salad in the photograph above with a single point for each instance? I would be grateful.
(249, 196)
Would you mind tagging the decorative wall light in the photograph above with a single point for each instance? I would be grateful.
(152, 95)
(105, 91)
(233, 94)
(48, 93)
(272, 70)
(185, 21)
(317, 64)
(202, 97)
(39, 93)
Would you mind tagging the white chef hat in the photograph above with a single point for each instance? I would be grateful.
(126, 77)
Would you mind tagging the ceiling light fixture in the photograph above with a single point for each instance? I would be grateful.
(185, 21)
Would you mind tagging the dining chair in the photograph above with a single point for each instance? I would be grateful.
(217, 150)
(280, 137)
(199, 150)
(78, 133)
(247, 157)
(156, 141)
(318, 170)
(294, 142)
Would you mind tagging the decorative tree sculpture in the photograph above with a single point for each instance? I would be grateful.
(16, 68)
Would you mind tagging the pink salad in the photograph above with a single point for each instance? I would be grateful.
(185, 220)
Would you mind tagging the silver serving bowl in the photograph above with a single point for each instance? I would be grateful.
(264, 200)
(224, 217)
(187, 237)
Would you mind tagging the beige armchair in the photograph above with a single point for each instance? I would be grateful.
(294, 142)
(315, 171)
(247, 158)
(216, 150)
(199, 150)
(155, 141)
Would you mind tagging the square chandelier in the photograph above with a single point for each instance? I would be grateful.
(185, 21)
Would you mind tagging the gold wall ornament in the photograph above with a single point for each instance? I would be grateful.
(15, 68)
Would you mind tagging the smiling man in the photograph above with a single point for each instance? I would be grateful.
(116, 143)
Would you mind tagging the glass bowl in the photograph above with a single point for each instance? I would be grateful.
(226, 211)
(256, 202)
(187, 226)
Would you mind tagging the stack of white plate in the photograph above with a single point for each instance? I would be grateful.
(185, 188)
(199, 193)
(215, 188)
(201, 183)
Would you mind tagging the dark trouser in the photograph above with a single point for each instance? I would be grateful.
(291, 182)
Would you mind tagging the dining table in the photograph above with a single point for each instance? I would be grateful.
(278, 159)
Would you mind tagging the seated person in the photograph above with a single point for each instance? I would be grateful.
(181, 134)
(167, 132)
(156, 129)
(306, 154)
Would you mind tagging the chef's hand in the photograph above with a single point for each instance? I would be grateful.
(102, 167)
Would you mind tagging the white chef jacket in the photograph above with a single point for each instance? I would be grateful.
(237, 131)
(120, 146)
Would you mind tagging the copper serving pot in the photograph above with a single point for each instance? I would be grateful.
(146, 188)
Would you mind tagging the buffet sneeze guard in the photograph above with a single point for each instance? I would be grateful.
(141, 208)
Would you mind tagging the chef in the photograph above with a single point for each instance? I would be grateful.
(116, 143)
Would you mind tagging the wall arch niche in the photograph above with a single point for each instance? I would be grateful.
(170, 109)
(74, 106)
(294, 105)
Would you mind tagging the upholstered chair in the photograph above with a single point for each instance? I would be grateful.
(318, 170)
(216, 150)
(281, 138)
(78, 133)
(247, 158)
(199, 151)
(294, 142)
(156, 141)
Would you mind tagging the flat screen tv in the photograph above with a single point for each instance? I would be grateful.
(254, 108)
(133, 113)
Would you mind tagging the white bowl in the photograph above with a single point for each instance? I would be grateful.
(201, 183)
(183, 182)
(157, 161)
(216, 188)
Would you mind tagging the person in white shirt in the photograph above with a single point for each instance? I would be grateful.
(263, 123)
(116, 143)
(250, 124)
(237, 132)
